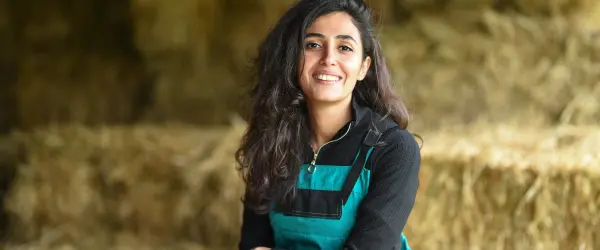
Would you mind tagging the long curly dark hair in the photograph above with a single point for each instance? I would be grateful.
(270, 154)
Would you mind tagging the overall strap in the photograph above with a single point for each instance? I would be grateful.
(371, 140)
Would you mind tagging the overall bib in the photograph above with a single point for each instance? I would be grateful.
(327, 200)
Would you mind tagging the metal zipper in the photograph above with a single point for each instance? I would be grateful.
(316, 154)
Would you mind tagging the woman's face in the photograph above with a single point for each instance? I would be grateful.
(333, 59)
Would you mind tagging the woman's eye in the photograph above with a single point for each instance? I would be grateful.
(345, 48)
(312, 45)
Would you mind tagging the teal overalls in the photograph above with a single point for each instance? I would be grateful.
(326, 203)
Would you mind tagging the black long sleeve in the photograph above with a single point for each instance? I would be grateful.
(256, 231)
(385, 209)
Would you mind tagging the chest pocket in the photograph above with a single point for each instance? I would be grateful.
(327, 199)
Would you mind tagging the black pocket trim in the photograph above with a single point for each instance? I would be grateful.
(315, 204)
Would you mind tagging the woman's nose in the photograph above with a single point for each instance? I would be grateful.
(329, 56)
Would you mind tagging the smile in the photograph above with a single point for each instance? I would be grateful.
(329, 78)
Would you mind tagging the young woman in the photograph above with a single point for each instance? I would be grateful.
(327, 160)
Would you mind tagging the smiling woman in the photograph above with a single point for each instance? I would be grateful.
(327, 159)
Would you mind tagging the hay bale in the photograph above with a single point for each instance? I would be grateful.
(554, 7)
(178, 43)
(160, 26)
(528, 7)
(76, 88)
(128, 187)
(437, 5)
(75, 63)
(588, 21)
(497, 67)
(508, 187)
(147, 187)
(171, 58)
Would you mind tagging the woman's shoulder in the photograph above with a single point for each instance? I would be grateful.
(392, 135)
(400, 140)
(395, 142)
(394, 131)
(399, 149)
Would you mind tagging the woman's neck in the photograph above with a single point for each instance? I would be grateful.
(326, 119)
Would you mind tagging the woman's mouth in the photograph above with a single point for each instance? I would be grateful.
(327, 78)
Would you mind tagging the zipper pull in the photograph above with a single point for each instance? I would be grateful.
(312, 165)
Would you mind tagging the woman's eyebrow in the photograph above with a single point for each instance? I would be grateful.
(346, 37)
(319, 35)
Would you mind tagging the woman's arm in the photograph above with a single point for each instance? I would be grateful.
(385, 209)
(256, 231)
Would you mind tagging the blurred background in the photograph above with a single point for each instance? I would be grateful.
(119, 119)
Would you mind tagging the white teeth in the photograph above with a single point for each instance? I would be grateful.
(328, 77)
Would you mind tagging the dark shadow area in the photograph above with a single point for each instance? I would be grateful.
(11, 155)
(84, 50)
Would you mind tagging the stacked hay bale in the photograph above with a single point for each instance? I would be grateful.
(523, 64)
(175, 40)
(482, 187)
(469, 62)
(159, 61)
(201, 72)
(108, 62)
(144, 187)
(74, 63)
(508, 187)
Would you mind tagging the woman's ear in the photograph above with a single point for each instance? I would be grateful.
(364, 68)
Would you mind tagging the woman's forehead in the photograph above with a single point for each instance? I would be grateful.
(335, 24)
